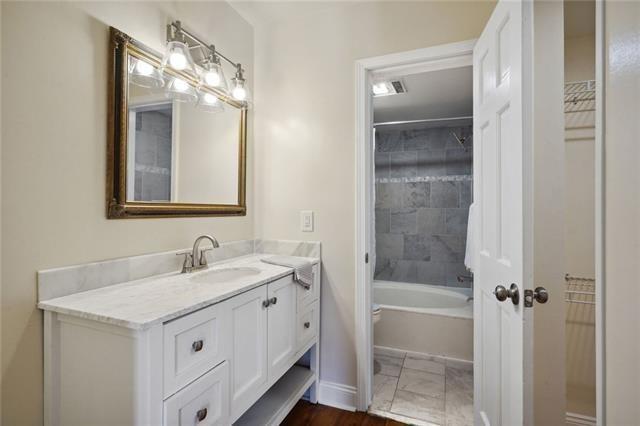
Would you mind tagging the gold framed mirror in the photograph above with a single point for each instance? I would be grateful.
(170, 155)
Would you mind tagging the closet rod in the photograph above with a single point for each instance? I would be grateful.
(426, 120)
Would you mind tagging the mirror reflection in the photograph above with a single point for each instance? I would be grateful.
(183, 145)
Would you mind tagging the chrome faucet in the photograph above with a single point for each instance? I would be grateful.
(197, 259)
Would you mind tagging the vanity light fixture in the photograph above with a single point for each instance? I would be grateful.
(180, 90)
(209, 102)
(144, 74)
(239, 90)
(212, 74)
(180, 42)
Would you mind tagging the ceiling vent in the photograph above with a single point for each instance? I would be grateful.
(388, 87)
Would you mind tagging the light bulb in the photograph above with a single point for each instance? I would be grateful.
(239, 93)
(180, 85)
(144, 68)
(177, 60)
(380, 89)
(210, 99)
(212, 78)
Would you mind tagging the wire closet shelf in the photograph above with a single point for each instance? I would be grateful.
(580, 290)
(580, 96)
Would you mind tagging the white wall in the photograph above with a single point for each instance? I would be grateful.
(54, 116)
(305, 116)
(622, 212)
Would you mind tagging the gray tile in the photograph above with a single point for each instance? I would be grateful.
(145, 148)
(447, 248)
(383, 268)
(403, 164)
(382, 164)
(459, 394)
(466, 193)
(419, 407)
(459, 161)
(430, 364)
(444, 194)
(403, 221)
(430, 272)
(465, 132)
(388, 142)
(456, 221)
(390, 246)
(164, 152)
(382, 221)
(417, 247)
(384, 388)
(431, 163)
(431, 221)
(404, 271)
(395, 353)
(388, 195)
(416, 194)
(389, 366)
(415, 139)
(422, 382)
(452, 271)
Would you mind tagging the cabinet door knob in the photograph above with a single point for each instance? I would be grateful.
(201, 414)
(197, 345)
(266, 303)
(307, 324)
(273, 300)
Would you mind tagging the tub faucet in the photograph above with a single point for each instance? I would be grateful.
(196, 259)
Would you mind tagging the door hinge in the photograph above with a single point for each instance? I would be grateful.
(366, 258)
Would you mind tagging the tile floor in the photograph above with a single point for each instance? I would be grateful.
(422, 389)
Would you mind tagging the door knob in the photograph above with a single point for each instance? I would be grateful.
(540, 295)
(503, 293)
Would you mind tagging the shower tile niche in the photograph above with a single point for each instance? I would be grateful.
(423, 189)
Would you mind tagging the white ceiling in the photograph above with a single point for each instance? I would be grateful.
(436, 94)
(579, 18)
(260, 12)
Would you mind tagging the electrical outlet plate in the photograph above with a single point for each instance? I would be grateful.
(306, 221)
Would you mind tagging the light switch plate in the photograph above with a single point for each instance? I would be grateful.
(306, 220)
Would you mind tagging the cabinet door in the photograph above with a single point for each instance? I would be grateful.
(249, 346)
(282, 325)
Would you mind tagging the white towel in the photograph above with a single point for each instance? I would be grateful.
(302, 268)
(469, 254)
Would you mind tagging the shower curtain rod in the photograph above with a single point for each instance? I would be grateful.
(427, 120)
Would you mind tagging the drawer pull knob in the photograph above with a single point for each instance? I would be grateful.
(197, 347)
(266, 303)
(201, 414)
(307, 324)
(273, 300)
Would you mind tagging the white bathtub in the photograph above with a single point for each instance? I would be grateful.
(424, 318)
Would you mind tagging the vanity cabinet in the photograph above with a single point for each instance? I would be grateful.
(236, 361)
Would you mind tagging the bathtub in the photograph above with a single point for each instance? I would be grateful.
(424, 318)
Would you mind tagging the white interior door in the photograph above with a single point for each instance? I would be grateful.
(501, 59)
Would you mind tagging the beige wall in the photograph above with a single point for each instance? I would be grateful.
(579, 59)
(622, 213)
(305, 122)
(53, 160)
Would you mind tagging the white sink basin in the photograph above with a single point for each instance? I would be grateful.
(224, 275)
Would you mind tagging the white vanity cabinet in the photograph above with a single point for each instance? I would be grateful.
(235, 361)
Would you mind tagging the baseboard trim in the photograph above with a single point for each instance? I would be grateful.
(337, 395)
(580, 420)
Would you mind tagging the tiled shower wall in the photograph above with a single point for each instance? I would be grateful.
(423, 193)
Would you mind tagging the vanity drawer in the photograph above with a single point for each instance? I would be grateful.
(204, 402)
(308, 296)
(307, 325)
(194, 344)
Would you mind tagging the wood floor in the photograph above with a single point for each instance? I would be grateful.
(306, 414)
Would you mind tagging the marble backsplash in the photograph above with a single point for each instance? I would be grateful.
(68, 280)
(423, 192)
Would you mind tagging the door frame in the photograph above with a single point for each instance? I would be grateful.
(445, 56)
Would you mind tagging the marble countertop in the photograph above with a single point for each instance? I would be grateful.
(143, 303)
